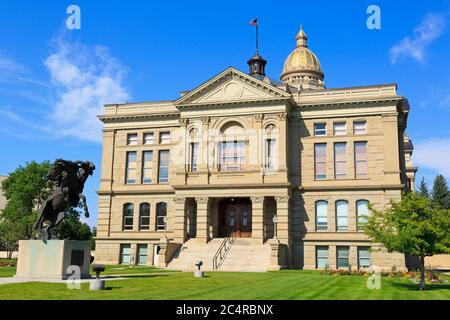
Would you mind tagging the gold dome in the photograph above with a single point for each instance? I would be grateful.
(302, 61)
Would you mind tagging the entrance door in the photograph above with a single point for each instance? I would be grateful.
(235, 217)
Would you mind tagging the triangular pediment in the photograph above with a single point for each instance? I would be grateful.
(231, 85)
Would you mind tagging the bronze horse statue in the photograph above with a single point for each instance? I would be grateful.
(68, 180)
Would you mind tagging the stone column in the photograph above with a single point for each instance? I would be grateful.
(258, 219)
(179, 223)
(282, 144)
(203, 219)
(283, 219)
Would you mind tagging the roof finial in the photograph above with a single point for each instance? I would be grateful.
(302, 38)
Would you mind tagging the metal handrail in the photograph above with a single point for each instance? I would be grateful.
(223, 250)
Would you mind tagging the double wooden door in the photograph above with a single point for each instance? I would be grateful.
(235, 216)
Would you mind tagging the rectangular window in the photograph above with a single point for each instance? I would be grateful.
(340, 128)
(321, 257)
(320, 160)
(231, 155)
(132, 139)
(149, 138)
(164, 137)
(125, 253)
(342, 215)
(320, 129)
(270, 154)
(321, 215)
(147, 167)
(340, 160)
(342, 257)
(359, 127)
(131, 168)
(194, 156)
(363, 257)
(163, 172)
(142, 254)
(361, 159)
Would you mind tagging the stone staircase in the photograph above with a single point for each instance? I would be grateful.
(244, 255)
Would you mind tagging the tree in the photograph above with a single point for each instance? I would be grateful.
(414, 226)
(24, 189)
(72, 228)
(10, 234)
(423, 189)
(441, 194)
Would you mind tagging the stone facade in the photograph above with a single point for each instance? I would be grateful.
(272, 130)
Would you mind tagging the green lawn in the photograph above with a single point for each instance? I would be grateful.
(226, 286)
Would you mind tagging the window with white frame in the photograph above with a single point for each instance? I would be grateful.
(341, 215)
(359, 127)
(320, 129)
(132, 139)
(340, 128)
(161, 215)
(142, 252)
(147, 167)
(321, 257)
(131, 167)
(321, 215)
(163, 169)
(270, 154)
(149, 138)
(125, 253)
(128, 217)
(340, 160)
(361, 159)
(364, 257)
(342, 257)
(194, 156)
(164, 137)
(144, 217)
(231, 155)
(362, 212)
(320, 160)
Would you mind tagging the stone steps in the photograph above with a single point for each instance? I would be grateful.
(244, 255)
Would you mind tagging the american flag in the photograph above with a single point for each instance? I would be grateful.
(254, 22)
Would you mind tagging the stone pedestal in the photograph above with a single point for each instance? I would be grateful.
(199, 274)
(52, 258)
(97, 284)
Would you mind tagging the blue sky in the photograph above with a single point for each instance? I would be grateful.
(53, 81)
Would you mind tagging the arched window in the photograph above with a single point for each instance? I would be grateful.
(341, 215)
(231, 150)
(161, 214)
(270, 147)
(128, 212)
(362, 212)
(144, 216)
(321, 215)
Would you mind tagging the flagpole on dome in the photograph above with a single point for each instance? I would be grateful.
(254, 23)
(257, 63)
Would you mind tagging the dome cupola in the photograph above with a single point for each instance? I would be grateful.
(302, 68)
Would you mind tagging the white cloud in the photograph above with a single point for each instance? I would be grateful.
(423, 35)
(433, 154)
(8, 65)
(85, 78)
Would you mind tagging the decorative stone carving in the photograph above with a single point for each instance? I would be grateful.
(202, 200)
(282, 116)
(179, 200)
(257, 199)
(206, 120)
(259, 117)
(283, 199)
(184, 122)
